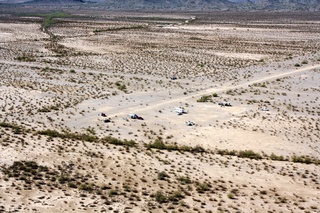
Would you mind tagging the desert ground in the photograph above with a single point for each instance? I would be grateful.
(71, 80)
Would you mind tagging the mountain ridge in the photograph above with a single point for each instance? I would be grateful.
(237, 5)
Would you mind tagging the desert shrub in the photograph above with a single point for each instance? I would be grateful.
(185, 148)
(50, 133)
(121, 87)
(226, 152)
(198, 149)
(163, 175)
(175, 196)
(112, 192)
(48, 109)
(45, 109)
(118, 142)
(119, 28)
(249, 154)
(303, 159)
(25, 58)
(229, 92)
(215, 95)
(73, 185)
(202, 187)
(22, 169)
(171, 147)
(86, 187)
(184, 179)
(195, 38)
(63, 179)
(69, 135)
(16, 129)
(160, 197)
(157, 144)
(84, 137)
(204, 98)
(277, 157)
(231, 196)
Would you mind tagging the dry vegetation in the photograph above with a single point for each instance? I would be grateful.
(68, 83)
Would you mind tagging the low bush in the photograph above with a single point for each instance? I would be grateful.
(249, 154)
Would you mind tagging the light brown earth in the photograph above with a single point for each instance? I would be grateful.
(121, 63)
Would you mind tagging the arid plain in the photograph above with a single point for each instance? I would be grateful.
(69, 81)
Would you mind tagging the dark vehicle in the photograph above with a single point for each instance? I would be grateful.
(224, 104)
(135, 116)
(107, 120)
(173, 78)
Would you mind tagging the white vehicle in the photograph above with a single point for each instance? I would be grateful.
(180, 111)
(190, 123)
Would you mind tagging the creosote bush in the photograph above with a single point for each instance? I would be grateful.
(16, 129)
(68, 135)
(159, 144)
(184, 180)
(115, 141)
(160, 197)
(305, 159)
(249, 154)
(163, 175)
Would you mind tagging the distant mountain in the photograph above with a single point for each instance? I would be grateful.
(282, 5)
(53, 2)
(168, 4)
(239, 5)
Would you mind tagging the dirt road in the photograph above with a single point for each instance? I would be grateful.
(220, 89)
